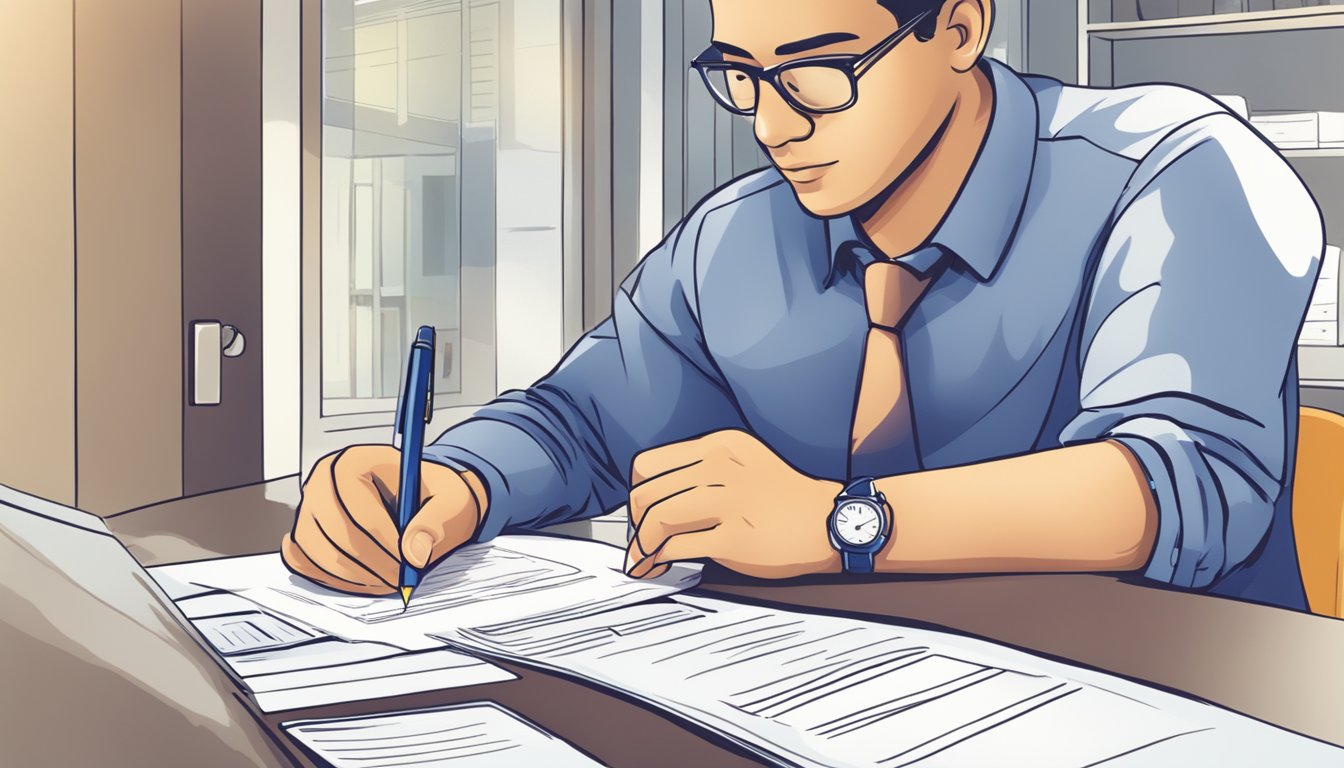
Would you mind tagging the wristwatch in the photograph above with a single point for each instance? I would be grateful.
(860, 524)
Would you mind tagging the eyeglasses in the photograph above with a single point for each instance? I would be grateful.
(817, 84)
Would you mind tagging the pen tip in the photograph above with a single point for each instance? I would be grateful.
(406, 596)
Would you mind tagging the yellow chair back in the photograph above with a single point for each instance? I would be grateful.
(1318, 509)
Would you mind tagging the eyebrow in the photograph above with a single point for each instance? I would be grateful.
(819, 41)
(731, 50)
(798, 46)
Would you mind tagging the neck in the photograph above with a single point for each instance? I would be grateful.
(905, 215)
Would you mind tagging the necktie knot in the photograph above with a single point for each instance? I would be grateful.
(890, 291)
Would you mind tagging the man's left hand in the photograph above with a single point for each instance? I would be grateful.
(726, 496)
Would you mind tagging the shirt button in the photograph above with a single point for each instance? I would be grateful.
(1174, 553)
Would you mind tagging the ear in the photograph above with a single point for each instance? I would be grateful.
(967, 29)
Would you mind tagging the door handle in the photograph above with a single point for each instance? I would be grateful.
(211, 341)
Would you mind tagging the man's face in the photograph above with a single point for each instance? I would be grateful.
(845, 158)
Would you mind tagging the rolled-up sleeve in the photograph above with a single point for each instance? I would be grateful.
(561, 449)
(1188, 337)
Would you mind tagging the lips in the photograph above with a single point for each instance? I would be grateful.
(806, 173)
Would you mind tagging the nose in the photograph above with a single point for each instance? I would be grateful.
(777, 123)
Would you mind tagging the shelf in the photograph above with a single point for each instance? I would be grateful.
(1320, 366)
(1312, 152)
(1319, 17)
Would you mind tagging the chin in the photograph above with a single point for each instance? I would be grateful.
(824, 202)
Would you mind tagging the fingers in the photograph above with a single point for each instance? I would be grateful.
(330, 549)
(665, 458)
(298, 562)
(344, 535)
(658, 527)
(685, 546)
(444, 522)
(650, 492)
(670, 504)
(363, 503)
(326, 523)
(681, 513)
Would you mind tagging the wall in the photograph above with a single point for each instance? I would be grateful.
(129, 280)
(37, 249)
(93, 128)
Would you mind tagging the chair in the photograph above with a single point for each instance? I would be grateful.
(1318, 509)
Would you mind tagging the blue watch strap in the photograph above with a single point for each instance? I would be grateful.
(863, 486)
(857, 562)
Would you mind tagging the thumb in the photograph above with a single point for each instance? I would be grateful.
(443, 524)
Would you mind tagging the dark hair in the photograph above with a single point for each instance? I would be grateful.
(906, 9)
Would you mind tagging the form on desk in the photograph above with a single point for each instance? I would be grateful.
(509, 577)
(286, 664)
(479, 734)
(292, 643)
(796, 688)
(815, 690)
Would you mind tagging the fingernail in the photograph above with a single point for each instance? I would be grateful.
(418, 548)
(641, 569)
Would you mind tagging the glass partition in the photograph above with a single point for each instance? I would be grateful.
(441, 164)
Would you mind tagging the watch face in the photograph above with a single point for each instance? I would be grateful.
(857, 523)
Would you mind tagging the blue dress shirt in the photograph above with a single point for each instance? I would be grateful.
(1129, 264)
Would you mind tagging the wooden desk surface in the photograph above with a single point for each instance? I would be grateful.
(1280, 666)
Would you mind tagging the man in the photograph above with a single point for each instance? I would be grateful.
(969, 321)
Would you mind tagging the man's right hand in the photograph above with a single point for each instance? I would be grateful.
(345, 533)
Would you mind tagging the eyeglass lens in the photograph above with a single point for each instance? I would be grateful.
(811, 88)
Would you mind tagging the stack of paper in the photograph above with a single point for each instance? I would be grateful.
(292, 643)
(480, 734)
(287, 664)
(1321, 327)
(1331, 126)
(510, 577)
(1289, 130)
(1301, 130)
(816, 690)
(796, 688)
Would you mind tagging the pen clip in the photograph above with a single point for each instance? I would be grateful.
(431, 354)
(399, 418)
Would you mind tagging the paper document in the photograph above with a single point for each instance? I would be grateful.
(251, 631)
(293, 643)
(509, 577)
(474, 735)
(817, 690)
(287, 664)
(303, 684)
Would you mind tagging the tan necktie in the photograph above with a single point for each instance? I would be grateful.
(883, 440)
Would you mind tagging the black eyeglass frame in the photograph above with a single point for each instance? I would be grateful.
(853, 66)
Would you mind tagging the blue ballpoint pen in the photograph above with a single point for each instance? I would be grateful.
(414, 410)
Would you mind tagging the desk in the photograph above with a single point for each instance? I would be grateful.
(1280, 666)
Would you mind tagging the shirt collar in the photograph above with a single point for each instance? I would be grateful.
(980, 225)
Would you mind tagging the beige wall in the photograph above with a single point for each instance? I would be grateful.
(37, 249)
(128, 194)
(90, 349)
